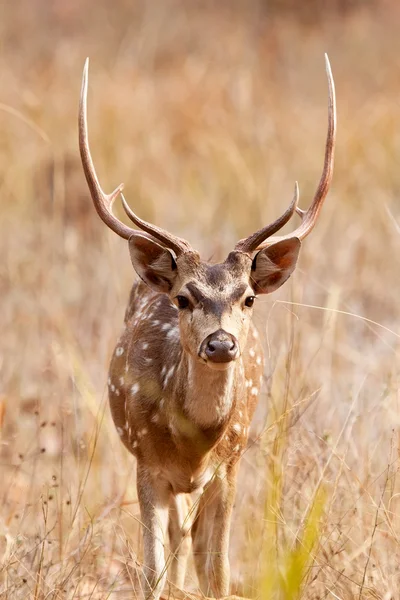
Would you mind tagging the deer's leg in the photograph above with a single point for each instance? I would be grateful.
(201, 538)
(211, 535)
(179, 537)
(154, 499)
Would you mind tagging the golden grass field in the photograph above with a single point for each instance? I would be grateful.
(208, 112)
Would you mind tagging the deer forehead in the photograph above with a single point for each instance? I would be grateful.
(226, 282)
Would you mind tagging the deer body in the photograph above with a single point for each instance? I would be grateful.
(161, 398)
(184, 422)
(186, 373)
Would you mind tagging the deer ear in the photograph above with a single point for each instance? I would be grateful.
(154, 264)
(272, 266)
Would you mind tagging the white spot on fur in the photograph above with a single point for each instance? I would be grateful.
(255, 334)
(119, 351)
(240, 413)
(116, 391)
(145, 345)
(155, 418)
(254, 391)
(109, 381)
(134, 444)
(112, 387)
(135, 388)
(169, 375)
(121, 381)
(172, 429)
(156, 322)
(237, 427)
(173, 333)
(166, 326)
(148, 361)
(252, 352)
(249, 383)
(142, 432)
(258, 360)
(236, 448)
(162, 402)
(120, 431)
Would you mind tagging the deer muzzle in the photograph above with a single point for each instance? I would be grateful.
(219, 347)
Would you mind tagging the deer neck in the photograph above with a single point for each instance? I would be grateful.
(209, 394)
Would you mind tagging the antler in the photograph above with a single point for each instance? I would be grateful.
(179, 245)
(254, 240)
(309, 217)
(104, 202)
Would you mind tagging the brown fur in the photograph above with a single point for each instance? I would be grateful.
(185, 419)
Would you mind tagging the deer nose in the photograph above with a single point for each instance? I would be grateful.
(220, 347)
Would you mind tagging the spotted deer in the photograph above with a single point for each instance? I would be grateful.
(185, 376)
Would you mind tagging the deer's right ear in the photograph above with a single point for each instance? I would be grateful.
(154, 264)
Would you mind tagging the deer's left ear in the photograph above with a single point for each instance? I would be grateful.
(154, 264)
(272, 266)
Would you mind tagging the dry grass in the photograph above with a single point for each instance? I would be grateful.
(208, 115)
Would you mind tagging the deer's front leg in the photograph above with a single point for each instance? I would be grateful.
(154, 499)
(179, 537)
(211, 534)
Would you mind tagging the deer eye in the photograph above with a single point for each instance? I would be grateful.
(249, 301)
(183, 302)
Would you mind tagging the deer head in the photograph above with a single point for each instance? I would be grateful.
(215, 301)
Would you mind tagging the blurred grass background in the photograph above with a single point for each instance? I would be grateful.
(208, 112)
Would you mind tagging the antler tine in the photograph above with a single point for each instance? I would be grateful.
(178, 245)
(310, 217)
(104, 202)
(254, 240)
